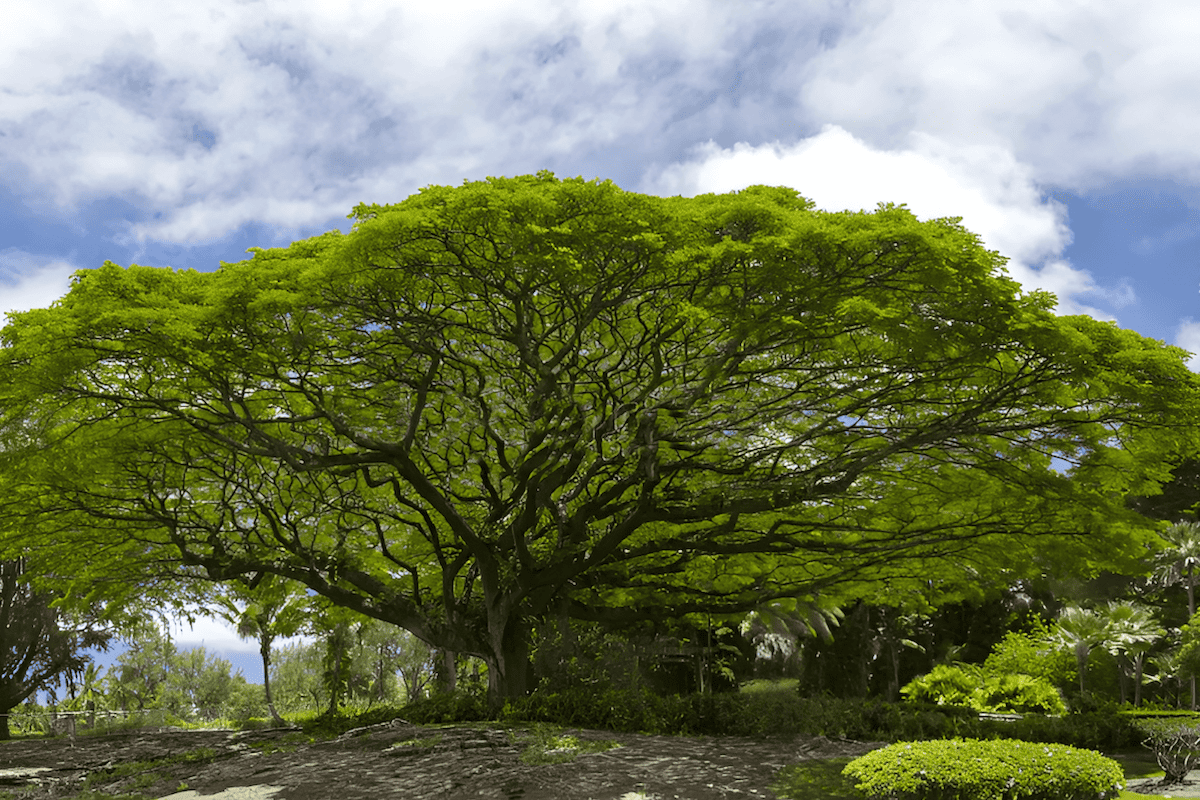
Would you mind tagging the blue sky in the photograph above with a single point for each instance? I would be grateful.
(169, 134)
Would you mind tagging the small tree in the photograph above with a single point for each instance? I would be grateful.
(265, 608)
(198, 683)
(1079, 630)
(137, 680)
(1179, 562)
(1132, 631)
(296, 676)
(38, 645)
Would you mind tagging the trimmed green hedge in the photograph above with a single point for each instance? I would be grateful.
(984, 770)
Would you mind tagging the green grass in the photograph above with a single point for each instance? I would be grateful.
(146, 773)
(787, 686)
(818, 779)
(422, 743)
(551, 746)
(288, 743)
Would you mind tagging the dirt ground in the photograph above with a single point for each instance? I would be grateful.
(399, 760)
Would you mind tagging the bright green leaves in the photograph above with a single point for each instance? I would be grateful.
(490, 398)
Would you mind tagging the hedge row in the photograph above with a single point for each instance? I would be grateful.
(780, 713)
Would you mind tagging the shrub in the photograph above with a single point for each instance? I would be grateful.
(1176, 746)
(1093, 731)
(945, 685)
(1030, 654)
(984, 770)
(970, 687)
(446, 707)
(1015, 692)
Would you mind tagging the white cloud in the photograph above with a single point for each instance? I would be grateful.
(217, 114)
(1082, 92)
(1187, 336)
(218, 635)
(211, 634)
(27, 281)
(993, 193)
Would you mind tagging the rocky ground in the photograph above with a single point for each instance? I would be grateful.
(399, 760)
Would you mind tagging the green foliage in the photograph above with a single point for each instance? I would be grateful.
(137, 681)
(296, 678)
(972, 687)
(446, 707)
(1029, 653)
(1019, 693)
(198, 683)
(765, 714)
(246, 701)
(372, 653)
(40, 645)
(945, 684)
(1189, 649)
(567, 396)
(984, 770)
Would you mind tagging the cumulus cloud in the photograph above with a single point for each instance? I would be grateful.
(1083, 92)
(1187, 336)
(215, 114)
(28, 281)
(994, 194)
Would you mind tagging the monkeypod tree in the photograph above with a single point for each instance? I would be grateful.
(524, 398)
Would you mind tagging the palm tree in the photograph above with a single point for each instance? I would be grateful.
(1081, 631)
(1179, 562)
(1132, 631)
(274, 608)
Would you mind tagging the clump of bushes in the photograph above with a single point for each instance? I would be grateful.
(970, 687)
(984, 770)
(776, 713)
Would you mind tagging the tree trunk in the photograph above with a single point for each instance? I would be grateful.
(1138, 663)
(1081, 658)
(265, 650)
(4, 732)
(508, 668)
(446, 671)
(1191, 593)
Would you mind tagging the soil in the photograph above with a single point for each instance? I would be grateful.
(400, 760)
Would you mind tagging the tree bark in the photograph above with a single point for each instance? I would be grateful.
(1191, 593)
(4, 732)
(508, 667)
(446, 671)
(264, 650)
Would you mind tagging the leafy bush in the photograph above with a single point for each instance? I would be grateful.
(1030, 654)
(776, 713)
(984, 770)
(971, 687)
(945, 685)
(1015, 692)
(446, 707)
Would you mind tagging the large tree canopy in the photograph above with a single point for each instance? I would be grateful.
(524, 397)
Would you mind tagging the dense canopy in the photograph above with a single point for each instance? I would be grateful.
(519, 398)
